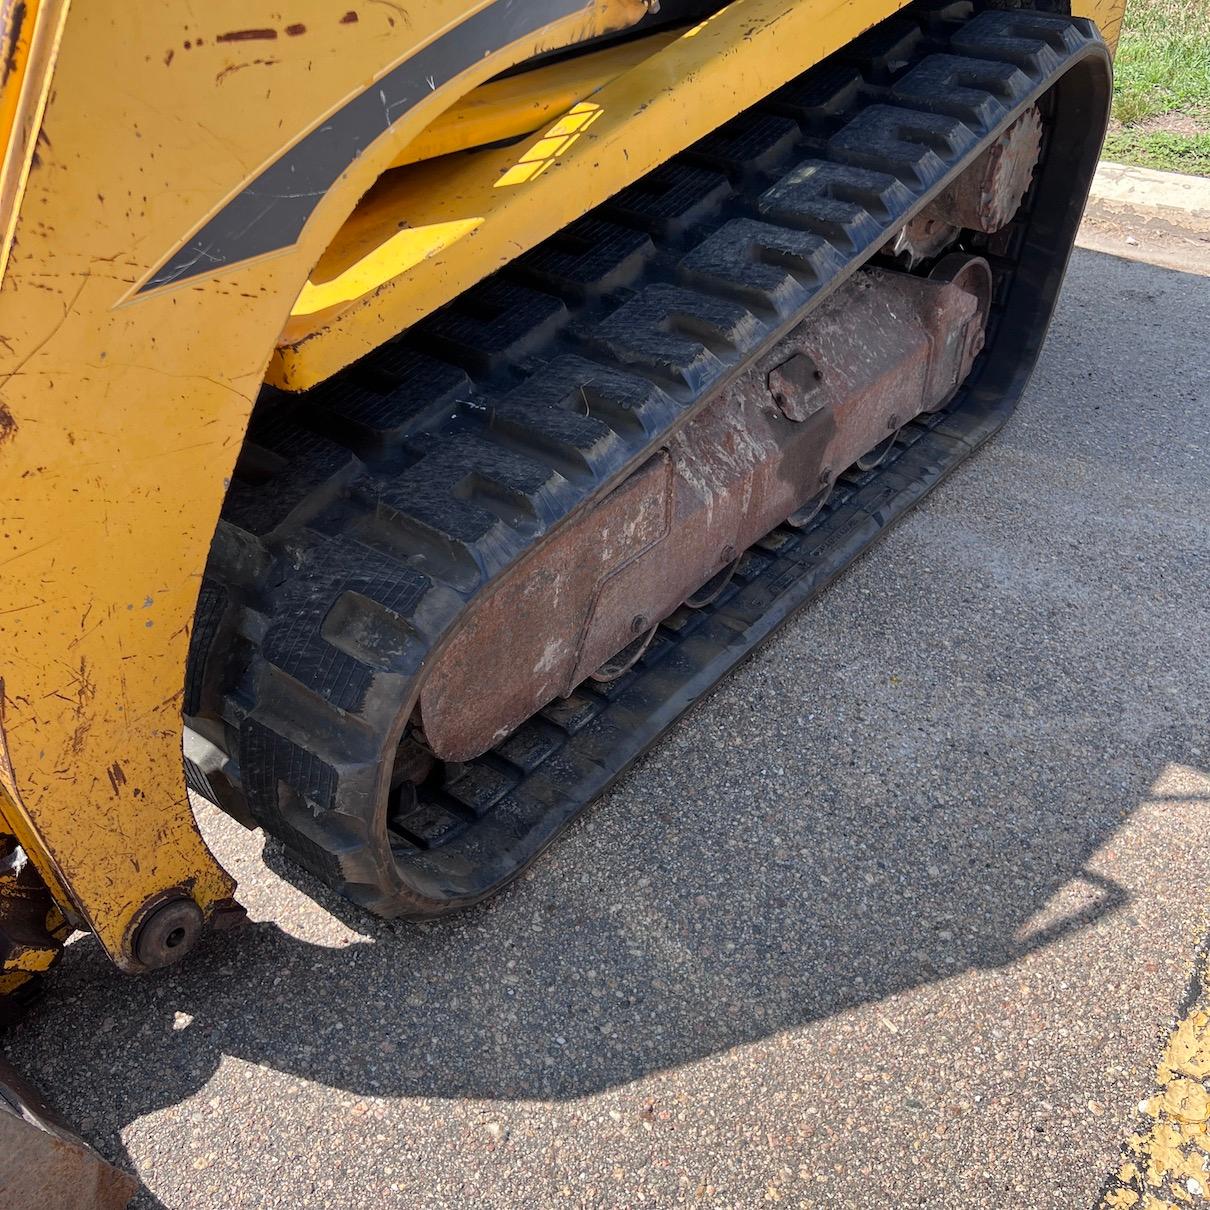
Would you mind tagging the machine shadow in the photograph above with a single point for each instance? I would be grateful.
(695, 909)
(538, 997)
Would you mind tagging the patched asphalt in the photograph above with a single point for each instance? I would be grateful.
(899, 916)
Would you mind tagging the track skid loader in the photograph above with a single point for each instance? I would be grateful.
(411, 414)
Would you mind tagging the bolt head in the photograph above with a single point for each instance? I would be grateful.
(794, 386)
(170, 931)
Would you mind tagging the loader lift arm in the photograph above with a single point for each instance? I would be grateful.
(122, 409)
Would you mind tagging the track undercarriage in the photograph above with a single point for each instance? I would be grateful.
(458, 588)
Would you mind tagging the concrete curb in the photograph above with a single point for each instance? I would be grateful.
(1157, 201)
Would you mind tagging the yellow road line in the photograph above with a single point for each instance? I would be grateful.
(1166, 1163)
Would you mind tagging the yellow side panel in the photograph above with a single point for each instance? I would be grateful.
(1107, 14)
(121, 412)
(423, 236)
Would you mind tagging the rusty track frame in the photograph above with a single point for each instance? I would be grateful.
(869, 360)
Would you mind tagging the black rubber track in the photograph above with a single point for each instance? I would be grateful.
(365, 513)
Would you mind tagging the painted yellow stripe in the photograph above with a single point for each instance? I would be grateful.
(1166, 1162)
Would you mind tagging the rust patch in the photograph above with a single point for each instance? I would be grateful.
(78, 736)
(8, 426)
(297, 28)
(794, 387)
(45, 1163)
(247, 35)
(833, 392)
(117, 777)
(350, 18)
(987, 195)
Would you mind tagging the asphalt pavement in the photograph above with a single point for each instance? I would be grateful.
(899, 916)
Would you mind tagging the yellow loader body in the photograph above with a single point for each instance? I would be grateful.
(169, 246)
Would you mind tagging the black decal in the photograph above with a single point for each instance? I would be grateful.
(271, 211)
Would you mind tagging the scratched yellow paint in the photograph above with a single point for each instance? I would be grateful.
(1107, 14)
(400, 256)
(518, 104)
(445, 225)
(120, 422)
(21, 103)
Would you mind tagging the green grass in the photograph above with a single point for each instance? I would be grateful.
(1161, 107)
(1161, 149)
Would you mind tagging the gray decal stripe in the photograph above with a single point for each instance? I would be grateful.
(271, 211)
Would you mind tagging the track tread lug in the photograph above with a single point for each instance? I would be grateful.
(979, 92)
(589, 259)
(494, 324)
(627, 402)
(402, 394)
(427, 825)
(320, 470)
(771, 266)
(671, 199)
(574, 712)
(1035, 42)
(912, 143)
(480, 787)
(466, 490)
(578, 444)
(753, 142)
(886, 49)
(819, 99)
(297, 643)
(846, 203)
(679, 335)
(212, 609)
(530, 745)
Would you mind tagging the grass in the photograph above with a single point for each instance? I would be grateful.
(1161, 108)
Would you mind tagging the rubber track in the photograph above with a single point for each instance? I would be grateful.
(365, 513)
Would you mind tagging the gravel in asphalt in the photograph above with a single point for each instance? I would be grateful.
(898, 916)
